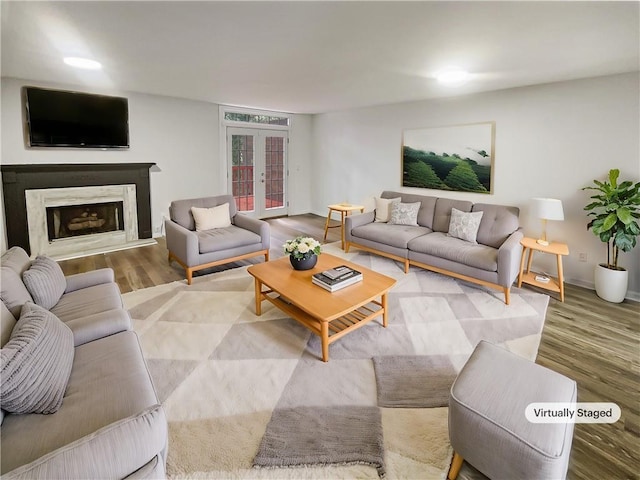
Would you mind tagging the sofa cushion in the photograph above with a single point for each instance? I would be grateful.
(397, 236)
(12, 291)
(16, 259)
(209, 218)
(464, 225)
(383, 208)
(498, 223)
(45, 281)
(36, 363)
(404, 213)
(225, 238)
(180, 210)
(442, 215)
(441, 245)
(109, 425)
(7, 323)
(88, 301)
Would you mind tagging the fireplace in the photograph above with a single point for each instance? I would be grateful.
(86, 219)
(72, 210)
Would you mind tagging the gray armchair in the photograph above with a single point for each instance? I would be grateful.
(246, 236)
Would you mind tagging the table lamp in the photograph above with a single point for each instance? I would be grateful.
(546, 209)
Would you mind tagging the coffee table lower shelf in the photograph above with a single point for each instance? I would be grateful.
(330, 330)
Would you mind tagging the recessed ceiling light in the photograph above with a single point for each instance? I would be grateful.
(85, 63)
(452, 76)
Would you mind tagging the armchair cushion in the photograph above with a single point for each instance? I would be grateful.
(210, 218)
(180, 210)
(219, 239)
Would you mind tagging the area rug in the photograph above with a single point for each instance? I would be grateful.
(413, 381)
(226, 377)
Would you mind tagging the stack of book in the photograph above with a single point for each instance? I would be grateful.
(337, 278)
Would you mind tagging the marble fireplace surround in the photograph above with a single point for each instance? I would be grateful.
(29, 189)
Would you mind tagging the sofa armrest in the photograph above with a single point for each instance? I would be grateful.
(509, 255)
(182, 243)
(99, 325)
(353, 221)
(259, 227)
(89, 279)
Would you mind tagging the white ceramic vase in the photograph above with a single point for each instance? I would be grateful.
(611, 285)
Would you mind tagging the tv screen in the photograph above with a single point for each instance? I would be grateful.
(57, 118)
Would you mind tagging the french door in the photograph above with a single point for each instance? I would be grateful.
(257, 170)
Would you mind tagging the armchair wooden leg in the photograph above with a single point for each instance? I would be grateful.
(346, 247)
(507, 295)
(266, 256)
(456, 464)
(189, 275)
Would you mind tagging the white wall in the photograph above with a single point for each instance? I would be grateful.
(180, 136)
(551, 140)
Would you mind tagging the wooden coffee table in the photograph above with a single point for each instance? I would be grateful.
(328, 315)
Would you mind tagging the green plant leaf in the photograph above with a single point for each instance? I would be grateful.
(613, 177)
(624, 214)
(610, 221)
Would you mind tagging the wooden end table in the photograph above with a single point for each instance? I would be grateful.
(330, 315)
(343, 209)
(554, 248)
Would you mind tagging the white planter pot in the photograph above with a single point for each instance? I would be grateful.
(611, 285)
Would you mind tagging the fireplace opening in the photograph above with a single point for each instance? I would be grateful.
(88, 219)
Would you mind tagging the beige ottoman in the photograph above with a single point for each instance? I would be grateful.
(487, 423)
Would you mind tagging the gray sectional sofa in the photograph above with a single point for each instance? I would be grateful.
(110, 423)
(493, 260)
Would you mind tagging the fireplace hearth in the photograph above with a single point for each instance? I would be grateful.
(66, 210)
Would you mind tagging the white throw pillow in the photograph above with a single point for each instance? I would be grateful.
(464, 225)
(383, 211)
(209, 218)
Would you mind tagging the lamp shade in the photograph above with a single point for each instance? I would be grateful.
(547, 208)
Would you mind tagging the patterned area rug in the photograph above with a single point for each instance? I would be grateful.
(227, 377)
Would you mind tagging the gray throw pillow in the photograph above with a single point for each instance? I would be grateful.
(464, 225)
(35, 364)
(45, 281)
(404, 213)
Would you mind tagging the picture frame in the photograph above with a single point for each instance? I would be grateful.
(455, 158)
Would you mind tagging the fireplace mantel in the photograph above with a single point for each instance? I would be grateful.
(16, 179)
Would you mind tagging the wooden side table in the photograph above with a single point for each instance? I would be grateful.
(343, 209)
(554, 248)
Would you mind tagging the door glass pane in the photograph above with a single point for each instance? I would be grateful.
(242, 179)
(274, 172)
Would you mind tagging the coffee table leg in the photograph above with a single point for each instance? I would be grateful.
(384, 310)
(258, 286)
(324, 337)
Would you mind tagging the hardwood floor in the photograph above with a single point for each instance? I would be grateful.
(585, 338)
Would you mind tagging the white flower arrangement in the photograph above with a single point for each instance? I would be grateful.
(302, 247)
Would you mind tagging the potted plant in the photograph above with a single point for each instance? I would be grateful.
(613, 212)
(303, 252)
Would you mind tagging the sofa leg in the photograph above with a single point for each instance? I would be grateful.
(266, 256)
(406, 266)
(189, 276)
(456, 464)
(507, 295)
(346, 247)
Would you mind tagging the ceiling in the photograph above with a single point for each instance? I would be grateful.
(313, 57)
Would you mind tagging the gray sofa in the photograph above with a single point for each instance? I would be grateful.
(493, 261)
(110, 423)
(194, 250)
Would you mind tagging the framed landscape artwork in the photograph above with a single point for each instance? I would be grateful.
(457, 158)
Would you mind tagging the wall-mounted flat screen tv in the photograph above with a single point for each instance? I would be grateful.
(56, 118)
